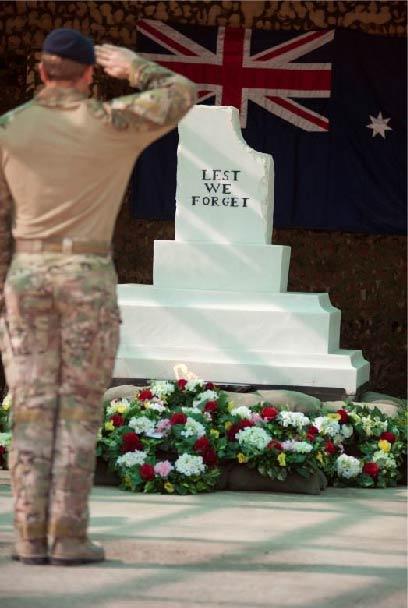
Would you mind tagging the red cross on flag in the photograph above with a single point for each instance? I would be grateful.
(272, 78)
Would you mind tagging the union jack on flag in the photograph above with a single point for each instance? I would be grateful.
(233, 73)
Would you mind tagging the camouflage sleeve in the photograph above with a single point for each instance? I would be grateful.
(164, 99)
(5, 233)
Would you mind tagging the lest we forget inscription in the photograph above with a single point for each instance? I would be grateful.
(218, 189)
(224, 187)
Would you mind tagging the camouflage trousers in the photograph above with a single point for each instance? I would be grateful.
(58, 337)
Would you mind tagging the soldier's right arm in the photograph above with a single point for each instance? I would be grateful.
(6, 203)
(164, 99)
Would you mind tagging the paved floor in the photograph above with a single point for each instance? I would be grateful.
(345, 548)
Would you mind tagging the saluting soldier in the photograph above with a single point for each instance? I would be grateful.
(65, 162)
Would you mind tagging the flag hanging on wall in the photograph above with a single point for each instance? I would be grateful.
(330, 106)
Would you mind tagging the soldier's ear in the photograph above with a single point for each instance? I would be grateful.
(89, 74)
(43, 73)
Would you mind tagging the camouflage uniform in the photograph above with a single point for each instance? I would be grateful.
(59, 329)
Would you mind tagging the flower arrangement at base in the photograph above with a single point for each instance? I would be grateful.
(160, 442)
(176, 437)
(364, 447)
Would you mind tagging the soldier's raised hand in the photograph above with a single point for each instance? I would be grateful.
(115, 60)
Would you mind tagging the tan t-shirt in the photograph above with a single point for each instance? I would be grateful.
(66, 159)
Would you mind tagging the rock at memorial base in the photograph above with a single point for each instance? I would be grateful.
(247, 399)
(389, 408)
(124, 391)
(373, 397)
(241, 478)
(293, 400)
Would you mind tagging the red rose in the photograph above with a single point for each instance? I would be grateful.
(269, 412)
(209, 386)
(274, 445)
(117, 420)
(211, 406)
(145, 394)
(202, 444)
(371, 468)
(330, 448)
(238, 426)
(178, 418)
(311, 433)
(131, 442)
(388, 436)
(210, 457)
(146, 472)
(182, 384)
(344, 417)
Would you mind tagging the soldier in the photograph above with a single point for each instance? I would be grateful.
(65, 163)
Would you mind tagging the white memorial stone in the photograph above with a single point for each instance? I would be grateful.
(224, 188)
(219, 304)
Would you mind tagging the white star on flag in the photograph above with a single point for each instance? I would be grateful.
(379, 125)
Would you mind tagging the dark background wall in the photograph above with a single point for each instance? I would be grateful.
(364, 275)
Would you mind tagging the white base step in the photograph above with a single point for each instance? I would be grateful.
(206, 266)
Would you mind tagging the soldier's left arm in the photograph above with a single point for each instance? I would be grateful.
(6, 203)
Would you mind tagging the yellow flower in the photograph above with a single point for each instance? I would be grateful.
(214, 433)
(319, 457)
(6, 402)
(228, 425)
(282, 459)
(231, 406)
(109, 426)
(169, 487)
(384, 445)
(333, 416)
(242, 458)
(121, 409)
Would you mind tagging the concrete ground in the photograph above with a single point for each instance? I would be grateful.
(345, 548)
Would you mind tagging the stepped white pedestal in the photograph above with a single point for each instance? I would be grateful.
(270, 339)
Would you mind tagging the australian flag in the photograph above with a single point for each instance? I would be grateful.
(329, 106)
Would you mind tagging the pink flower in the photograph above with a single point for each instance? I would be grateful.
(163, 468)
(256, 418)
(163, 426)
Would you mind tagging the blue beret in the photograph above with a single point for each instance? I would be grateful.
(70, 44)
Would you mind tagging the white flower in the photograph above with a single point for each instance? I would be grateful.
(5, 439)
(142, 424)
(131, 458)
(118, 405)
(189, 465)
(327, 426)
(162, 388)
(296, 419)
(242, 411)
(386, 461)
(346, 430)
(156, 406)
(193, 384)
(193, 427)
(301, 447)
(348, 466)
(205, 396)
(368, 425)
(254, 438)
(191, 410)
